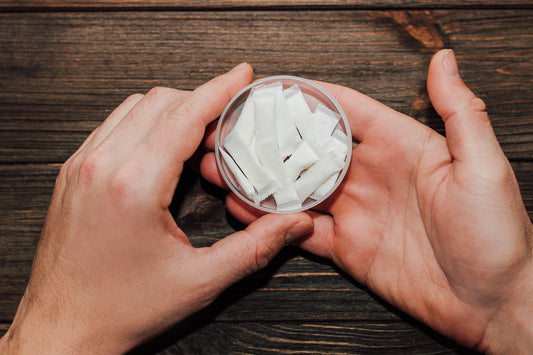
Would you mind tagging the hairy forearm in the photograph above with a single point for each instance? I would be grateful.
(37, 331)
(42, 342)
(26, 337)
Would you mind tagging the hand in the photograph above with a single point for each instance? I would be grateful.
(112, 268)
(436, 226)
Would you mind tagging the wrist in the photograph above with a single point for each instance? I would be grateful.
(27, 335)
(46, 341)
(510, 330)
(35, 331)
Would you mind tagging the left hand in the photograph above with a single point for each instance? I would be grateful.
(434, 225)
(112, 268)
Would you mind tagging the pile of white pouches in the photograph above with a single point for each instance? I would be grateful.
(279, 147)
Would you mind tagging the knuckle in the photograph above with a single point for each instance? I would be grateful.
(124, 185)
(158, 90)
(185, 119)
(263, 255)
(161, 93)
(88, 168)
(185, 109)
(67, 167)
(135, 97)
(478, 105)
(189, 110)
(475, 105)
(478, 108)
(256, 255)
(65, 173)
(121, 183)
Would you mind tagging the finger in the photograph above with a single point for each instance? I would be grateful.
(138, 122)
(250, 250)
(114, 119)
(362, 111)
(96, 136)
(210, 171)
(209, 139)
(320, 240)
(99, 134)
(180, 130)
(239, 209)
(469, 134)
(195, 161)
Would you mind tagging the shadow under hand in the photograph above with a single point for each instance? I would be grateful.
(198, 208)
(204, 317)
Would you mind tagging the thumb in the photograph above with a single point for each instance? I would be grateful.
(469, 134)
(250, 250)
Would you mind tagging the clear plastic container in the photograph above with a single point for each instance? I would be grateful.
(314, 95)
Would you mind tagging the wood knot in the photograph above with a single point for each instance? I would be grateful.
(419, 25)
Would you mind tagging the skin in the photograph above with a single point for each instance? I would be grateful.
(436, 226)
(112, 268)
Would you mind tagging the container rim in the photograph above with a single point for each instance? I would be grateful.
(272, 79)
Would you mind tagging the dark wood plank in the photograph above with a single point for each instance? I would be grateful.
(295, 287)
(300, 303)
(256, 4)
(62, 73)
(196, 336)
(300, 337)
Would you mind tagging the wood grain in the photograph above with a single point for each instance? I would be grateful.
(64, 65)
(254, 4)
(296, 287)
(62, 73)
(198, 336)
(365, 337)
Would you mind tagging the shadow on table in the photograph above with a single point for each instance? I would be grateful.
(196, 322)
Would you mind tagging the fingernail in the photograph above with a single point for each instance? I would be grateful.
(450, 64)
(299, 230)
(239, 67)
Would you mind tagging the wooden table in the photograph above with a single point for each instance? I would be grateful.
(64, 65)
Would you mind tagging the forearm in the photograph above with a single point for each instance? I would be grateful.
(26, 336)
(40, 332)
(42, 342)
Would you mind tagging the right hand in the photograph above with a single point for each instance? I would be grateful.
(112, 267)
(436, 226)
